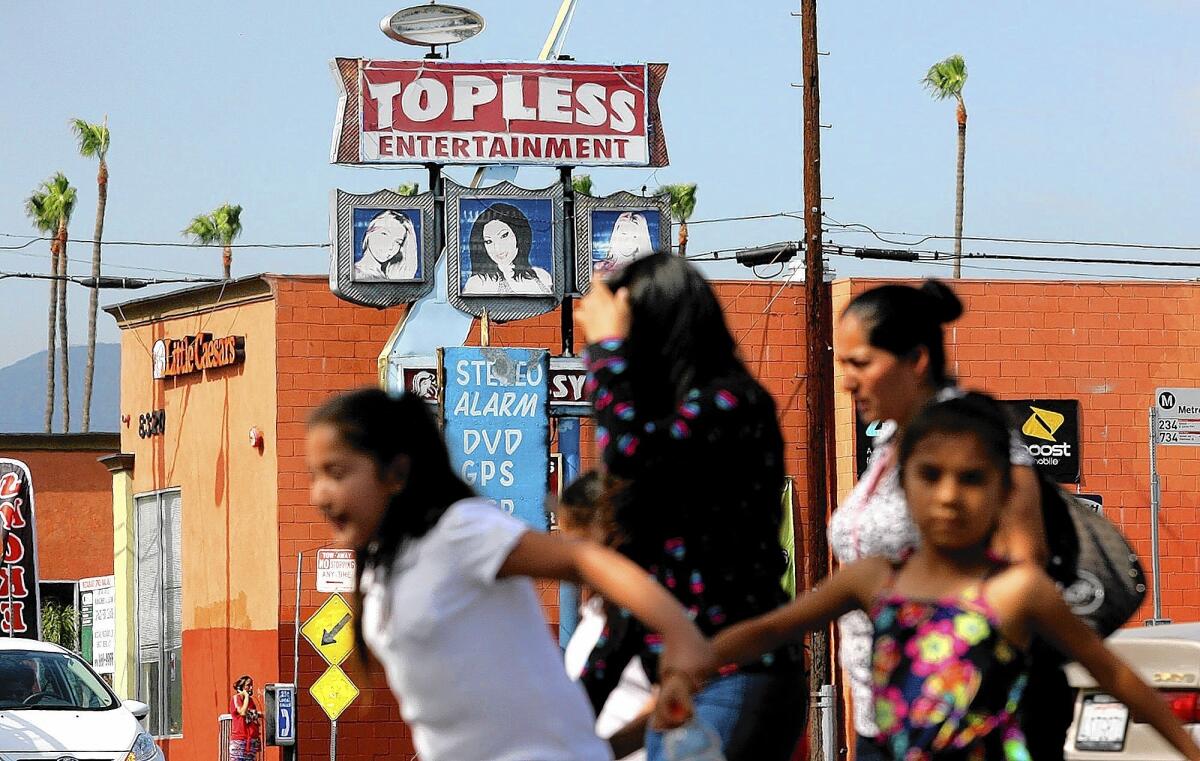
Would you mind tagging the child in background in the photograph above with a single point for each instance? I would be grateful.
(585, 512)
(448, 605)
(952, 622)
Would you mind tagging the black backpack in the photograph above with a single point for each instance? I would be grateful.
(1100, 575)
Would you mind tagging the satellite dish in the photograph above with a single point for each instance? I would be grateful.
(430, 25)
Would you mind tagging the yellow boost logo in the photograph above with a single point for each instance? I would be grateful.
(1042, 424)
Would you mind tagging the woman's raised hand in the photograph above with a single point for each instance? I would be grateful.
(603, 314)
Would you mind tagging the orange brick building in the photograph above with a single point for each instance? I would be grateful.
(244, 516)
(74, 510)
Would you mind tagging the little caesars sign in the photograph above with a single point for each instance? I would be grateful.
(192, 354)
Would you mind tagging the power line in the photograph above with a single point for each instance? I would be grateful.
(998, 239)
(107, 281)
(162, 244)
(1059, 259)
(113, 264)
(841, 251)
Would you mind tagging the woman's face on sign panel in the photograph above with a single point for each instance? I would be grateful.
(500, 242)
(386, 235)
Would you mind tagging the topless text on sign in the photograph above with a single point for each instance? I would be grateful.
(497, 425)
(192, 354)
(550, 112)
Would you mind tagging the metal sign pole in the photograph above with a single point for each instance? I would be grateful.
(293, 751)
(333, 740)
(1154, 508)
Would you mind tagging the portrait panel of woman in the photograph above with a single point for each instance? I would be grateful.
(620, 237)
(507, 251)
(387, 245)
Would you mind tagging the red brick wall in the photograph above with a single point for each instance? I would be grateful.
(73, 498)
(326, 345)
(1109, 345)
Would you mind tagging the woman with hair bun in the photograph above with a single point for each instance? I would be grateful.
(888, 344)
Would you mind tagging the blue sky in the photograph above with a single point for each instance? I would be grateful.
(1085, 124)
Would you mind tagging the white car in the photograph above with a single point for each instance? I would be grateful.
(1168, 658)
(52, 705)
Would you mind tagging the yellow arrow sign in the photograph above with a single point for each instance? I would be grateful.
(334, 692)
(331, 630)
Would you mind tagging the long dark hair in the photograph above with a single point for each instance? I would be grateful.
(481, 263)
(384, 427)
(901, 319)
(678, 339)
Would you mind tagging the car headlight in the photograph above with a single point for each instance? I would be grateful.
(143, 749)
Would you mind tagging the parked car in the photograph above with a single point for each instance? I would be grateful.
(1168, 659)
(53, 705)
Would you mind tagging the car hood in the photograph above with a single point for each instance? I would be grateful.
(110, 731)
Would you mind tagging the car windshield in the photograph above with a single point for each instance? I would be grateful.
(33, 680)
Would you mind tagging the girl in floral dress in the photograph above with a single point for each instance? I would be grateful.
(952, 622)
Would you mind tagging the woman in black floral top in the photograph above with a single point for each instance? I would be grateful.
(694, 435)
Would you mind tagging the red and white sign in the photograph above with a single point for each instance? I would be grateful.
(19, 598)
(335, 570)
(551, 112)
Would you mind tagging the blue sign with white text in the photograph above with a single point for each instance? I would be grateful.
(497, 425)
(281, 714)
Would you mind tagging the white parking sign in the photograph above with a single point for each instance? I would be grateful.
(335, 570)
(1177, 417)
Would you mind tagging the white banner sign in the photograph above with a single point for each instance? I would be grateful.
(335, 570)
(104, 620)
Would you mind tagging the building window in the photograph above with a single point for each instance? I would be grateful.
(160, 611)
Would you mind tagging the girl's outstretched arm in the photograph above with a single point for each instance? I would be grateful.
(686, 653)
(849, 589)
(1052, 619)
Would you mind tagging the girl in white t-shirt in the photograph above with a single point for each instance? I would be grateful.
(448, 605)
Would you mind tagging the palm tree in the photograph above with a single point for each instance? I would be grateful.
(408, 189)
(683, 203)
(223, 226)
(946, 79)
(50, 207)
(582, 184)
(93, 142)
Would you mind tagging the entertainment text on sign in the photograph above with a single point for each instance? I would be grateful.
(519, 113)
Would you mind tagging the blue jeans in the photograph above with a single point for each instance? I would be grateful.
(759, 717)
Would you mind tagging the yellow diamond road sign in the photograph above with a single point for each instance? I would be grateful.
(333, 691)
(331, 630)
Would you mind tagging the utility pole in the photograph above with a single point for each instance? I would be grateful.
(818, 368)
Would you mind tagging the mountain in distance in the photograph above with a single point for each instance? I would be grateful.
(23, 392)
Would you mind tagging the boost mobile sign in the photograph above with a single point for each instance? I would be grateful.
(1049, 430)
